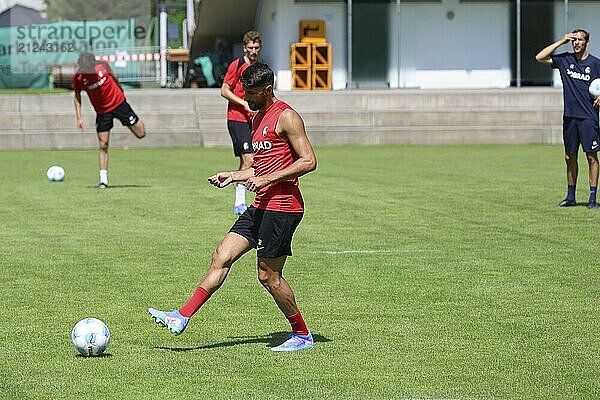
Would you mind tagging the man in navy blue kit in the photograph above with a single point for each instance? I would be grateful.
(580, 116)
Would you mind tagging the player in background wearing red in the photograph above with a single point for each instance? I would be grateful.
(239, 115)
(282, 153)
(97, 79)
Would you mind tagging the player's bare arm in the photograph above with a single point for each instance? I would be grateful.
(77, 103)
(228, 94)
(290, 126)
(545, 55)
(224, 178)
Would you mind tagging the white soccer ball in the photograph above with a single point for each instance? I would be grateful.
(55, 173)
(595, 88)
(90, 336)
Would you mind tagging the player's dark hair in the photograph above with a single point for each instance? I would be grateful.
(586, 34)
(86, 62)
(252, 36)
(257, 75)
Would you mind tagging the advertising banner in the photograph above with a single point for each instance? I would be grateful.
(28, 52)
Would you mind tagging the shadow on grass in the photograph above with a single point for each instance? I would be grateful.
(271, 340)
(110, 187)
(103, 355)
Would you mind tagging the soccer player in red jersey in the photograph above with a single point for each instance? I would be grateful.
(97, 79)
(282, 153)
(239, 115)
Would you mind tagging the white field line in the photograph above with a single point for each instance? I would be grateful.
(384, 251)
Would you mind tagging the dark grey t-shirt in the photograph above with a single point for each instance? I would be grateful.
(576, 76)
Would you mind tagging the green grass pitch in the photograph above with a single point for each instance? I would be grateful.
(423, 271)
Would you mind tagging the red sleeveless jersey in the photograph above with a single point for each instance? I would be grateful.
(105, 95)
(273, 153)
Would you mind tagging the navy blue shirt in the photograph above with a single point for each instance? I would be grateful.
(576, 76)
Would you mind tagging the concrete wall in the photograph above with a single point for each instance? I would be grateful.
(198, 118)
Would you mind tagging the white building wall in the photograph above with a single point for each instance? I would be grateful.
(450, 45)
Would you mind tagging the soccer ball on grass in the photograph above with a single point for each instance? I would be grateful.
(55, 173)
(90, 336)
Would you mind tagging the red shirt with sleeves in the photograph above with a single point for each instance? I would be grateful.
(235, 112)
(104, 93)
(273, 153)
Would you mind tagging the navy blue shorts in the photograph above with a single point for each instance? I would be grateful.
(123, 112)
(270, 231)
(241, 136)
(582, 131)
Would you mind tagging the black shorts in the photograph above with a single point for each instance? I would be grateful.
(270, 231)
(241, 136)
(124, 113)
(582, 131)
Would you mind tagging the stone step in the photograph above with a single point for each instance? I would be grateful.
(425, 99)
(452, 117)
(440, 135)
(358, 135)
(170, 120)
(210, 101)
(52, 122)
(72, 140)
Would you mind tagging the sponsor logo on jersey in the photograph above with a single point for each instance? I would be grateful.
(97, 84)
(262, 145)
(578, 75)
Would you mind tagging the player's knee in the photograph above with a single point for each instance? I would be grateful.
(269, 280)
(139, 130)
(263, 278)
(221, 259)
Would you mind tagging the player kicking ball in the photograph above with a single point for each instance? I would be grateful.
(282, 153)
(106, 94)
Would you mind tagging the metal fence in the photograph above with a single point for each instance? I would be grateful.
(135, 64)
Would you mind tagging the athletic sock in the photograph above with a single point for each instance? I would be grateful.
(298, 325)
(104, 176)
(198, 298)
(592, 194)
(571, 192)
(240, 194)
